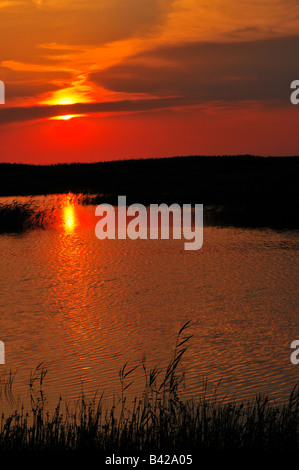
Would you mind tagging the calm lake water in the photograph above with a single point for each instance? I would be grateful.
(85, 307)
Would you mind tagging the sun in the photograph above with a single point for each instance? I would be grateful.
(77, 92)
(65, 97)
(66, 117)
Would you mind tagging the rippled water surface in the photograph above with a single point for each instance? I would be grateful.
(85, 307)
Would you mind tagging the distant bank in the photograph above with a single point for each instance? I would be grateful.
(236, 190)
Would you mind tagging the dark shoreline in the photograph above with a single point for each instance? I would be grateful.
(247, 191)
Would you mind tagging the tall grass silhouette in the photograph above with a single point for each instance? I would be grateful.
(158, 421)
(21, 216)
(18, 216)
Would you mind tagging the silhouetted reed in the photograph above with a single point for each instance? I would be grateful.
(21, 216)
(159, 421)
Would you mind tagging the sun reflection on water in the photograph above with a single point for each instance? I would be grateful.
(69, 215)
(69, 218)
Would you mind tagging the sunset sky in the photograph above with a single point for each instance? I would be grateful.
(90, 80)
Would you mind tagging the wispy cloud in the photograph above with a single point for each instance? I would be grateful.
(11, 4)
(27, 67)
(207, 71)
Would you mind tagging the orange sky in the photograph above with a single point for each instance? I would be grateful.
(140, 78)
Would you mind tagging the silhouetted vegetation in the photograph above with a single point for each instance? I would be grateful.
(160, 421)
(18, 217)
(247, 191)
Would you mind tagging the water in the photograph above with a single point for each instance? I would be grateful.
(85, 307)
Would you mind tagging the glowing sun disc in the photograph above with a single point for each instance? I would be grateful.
(66, 117)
